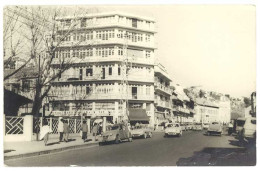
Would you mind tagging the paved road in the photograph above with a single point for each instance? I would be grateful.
(193, 148)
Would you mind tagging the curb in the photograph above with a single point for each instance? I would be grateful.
(48, 151)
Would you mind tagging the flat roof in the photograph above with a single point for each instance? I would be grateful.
(103, 14)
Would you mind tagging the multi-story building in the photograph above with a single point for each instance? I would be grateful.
(182, 105)
(113, 60)
(206, 111)
(162, 94)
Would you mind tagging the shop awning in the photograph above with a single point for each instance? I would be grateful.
(138, 115)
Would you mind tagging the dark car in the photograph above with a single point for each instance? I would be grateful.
(117, 133)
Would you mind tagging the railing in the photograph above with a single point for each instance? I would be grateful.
(74, 124)
(162, 87)
(14, 125)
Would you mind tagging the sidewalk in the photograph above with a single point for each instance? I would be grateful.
(14, 150)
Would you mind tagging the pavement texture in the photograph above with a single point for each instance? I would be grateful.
(192, 149)
(13, 150)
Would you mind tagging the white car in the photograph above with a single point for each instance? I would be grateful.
(249, 129)
(173, 129)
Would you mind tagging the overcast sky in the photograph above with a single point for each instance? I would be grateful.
(212, 46)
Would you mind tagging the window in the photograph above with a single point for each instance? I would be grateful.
(134, 22)
(103, 73)
(88, 90)
(83, 22)
(89, 72)
(80, 74)
(119, 71)
(147, 54)
(110, 70)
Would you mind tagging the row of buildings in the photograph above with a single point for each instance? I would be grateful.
(115, 75)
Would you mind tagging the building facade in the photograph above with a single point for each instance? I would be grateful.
(162, 95)
(113, 67)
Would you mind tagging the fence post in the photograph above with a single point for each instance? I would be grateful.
(4, 125)
(28, 127)
(51, 123)
(104, 124)
(75, 127)
(88, 123)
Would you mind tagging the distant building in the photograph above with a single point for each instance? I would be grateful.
(162, 95)
(182, 105)
(206, 111)
(22, 83)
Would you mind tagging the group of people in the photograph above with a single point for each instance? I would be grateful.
(63, 129)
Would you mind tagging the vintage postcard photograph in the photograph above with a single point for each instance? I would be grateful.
(129, 85)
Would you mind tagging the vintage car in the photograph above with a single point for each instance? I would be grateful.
(183, 126)
(215, 128)
(189, 126)
(173, 129)
(117, 133)
(205, 126)
(197, 127)
(141, 131)
(249, 130)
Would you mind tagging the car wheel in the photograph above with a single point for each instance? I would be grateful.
(117, 140)
(145, 135)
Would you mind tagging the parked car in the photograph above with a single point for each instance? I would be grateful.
(215, 128)
(205, 126)
(189, 126)
(249, 130)
(117, 133)
(197, 127)
(173, 129)
(183, 126)
(141, 131)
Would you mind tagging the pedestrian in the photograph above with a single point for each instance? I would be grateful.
(100, 129)
(45, 130)
(95, 130)
(60, 128)
(66, 130)
(230, 128)
(84, 131)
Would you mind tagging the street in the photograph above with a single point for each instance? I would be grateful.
(193, 148)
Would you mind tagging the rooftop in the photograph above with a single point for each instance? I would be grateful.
(103, 14)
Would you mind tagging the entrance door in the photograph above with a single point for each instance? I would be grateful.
(134, 92)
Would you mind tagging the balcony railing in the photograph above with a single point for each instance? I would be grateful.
(141, 60)
(163, 88)
(69, 96)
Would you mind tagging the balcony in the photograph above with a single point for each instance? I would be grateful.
(113, 23)
(163, 104)
(114, 58)
(100, 96)
(113, 41)
(162, 88)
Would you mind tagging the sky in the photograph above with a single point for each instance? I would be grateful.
(212, 46)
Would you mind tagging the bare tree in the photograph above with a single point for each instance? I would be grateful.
(45, 37)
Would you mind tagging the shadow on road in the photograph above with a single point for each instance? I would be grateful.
(220, 157)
